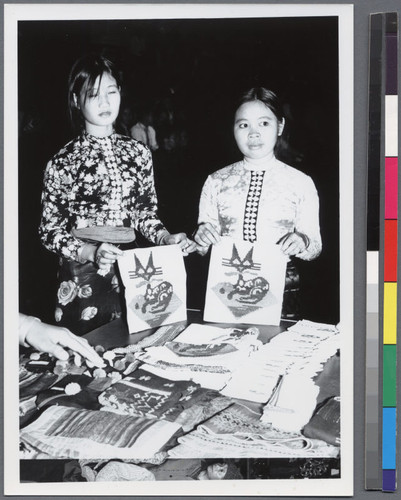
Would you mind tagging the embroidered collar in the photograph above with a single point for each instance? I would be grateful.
(269, 164)
(100, 141)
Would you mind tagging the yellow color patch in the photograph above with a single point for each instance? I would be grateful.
(390, 313)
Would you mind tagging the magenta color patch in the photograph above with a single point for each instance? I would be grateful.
(391, 198)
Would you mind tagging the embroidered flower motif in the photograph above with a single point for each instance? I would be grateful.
(84, 292)
(88, 313)
(67, 292)
(58, 314)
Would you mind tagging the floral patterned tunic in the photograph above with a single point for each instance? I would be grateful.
(98, 181)
(95, 181)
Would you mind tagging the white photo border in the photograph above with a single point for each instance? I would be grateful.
(294, 487)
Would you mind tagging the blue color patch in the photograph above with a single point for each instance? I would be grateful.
(389, 438)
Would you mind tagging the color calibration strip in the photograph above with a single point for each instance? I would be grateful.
(389, 416)
(373, 479)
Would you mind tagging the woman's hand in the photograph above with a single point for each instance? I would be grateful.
(53, 340)
(206, 235)
(187, 246)
(294, 243)
(106, 254)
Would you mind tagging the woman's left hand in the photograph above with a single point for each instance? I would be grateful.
(187, 246)
(293, 243)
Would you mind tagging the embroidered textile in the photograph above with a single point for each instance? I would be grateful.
(237, 432)
(155, 286)
(87, 397)
(240, 338)
(30, 384)
(71, 433)
(252, 205)
(161, 336)
(145, 394)
(209, 377)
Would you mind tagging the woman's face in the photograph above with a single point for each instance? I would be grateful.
(214, 471)
(256, 129)
(101, 106)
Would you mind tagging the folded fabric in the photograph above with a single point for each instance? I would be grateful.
(206, 377)
(74, 433)
(191, 350)
(117, 471)
(30, 384)
(325, 422)
(27, 409)
(85, 392)
(237, 432)
(197, 444)
(293, 403)
(205, 359)
(196, 333)
(161, 336)
(105, 234)
(146, 394)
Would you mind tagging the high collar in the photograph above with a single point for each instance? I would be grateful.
(101, 141)
(266, 165)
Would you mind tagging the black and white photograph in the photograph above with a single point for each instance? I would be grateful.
(179, 249)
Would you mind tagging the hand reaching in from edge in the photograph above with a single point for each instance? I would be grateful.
(54, 340)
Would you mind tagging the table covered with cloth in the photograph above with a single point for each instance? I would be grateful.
(132, 414)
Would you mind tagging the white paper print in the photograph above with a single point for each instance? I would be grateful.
(245, 283)
(155, 286)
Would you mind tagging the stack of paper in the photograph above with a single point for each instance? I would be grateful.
(301, 350)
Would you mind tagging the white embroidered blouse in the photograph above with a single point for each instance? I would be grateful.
(281, 199)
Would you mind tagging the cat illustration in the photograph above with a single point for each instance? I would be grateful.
(147, 272)
(241, 265)
(157, 298)
(249, 291)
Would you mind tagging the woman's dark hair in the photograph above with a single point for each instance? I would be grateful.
(82, 78)
(268, 97)
(271, 101)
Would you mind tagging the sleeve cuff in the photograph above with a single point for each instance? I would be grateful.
(161, 235)
(25, 324)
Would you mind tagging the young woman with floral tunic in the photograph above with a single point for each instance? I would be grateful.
(260, 198)
(98, 189)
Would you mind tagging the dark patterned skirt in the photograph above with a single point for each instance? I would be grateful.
(85, 298)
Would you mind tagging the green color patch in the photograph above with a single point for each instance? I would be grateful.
(389, 375)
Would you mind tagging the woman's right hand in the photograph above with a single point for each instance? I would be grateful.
(206, 235)
(106, 254)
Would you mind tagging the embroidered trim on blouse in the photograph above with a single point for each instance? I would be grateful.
(252, 205)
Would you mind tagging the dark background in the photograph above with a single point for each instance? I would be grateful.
(195, 68)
